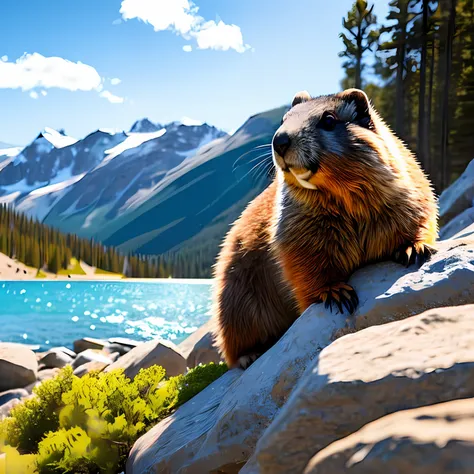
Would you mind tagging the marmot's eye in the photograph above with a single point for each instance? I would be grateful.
(328, 122)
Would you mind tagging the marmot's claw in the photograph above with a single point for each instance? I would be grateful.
(408, 254)
(425, 254)
(340, 295)
(246, 361)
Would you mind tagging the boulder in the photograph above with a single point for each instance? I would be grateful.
(458, 197)
(93, 366)
(437, 439)
(359, 378)
(18, 366)
(151, 353)
(118, 348)
(122, 345)
(66, 351)
(91, 355)
(85, 343)
(458, 224)
(124, 341)
(199, 347)
(223, 435)
(55, 359)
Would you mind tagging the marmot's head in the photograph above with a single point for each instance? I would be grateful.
(329, 142)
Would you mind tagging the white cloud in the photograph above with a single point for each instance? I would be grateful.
(177, 15)
(115, 81)
(220, 36)
(181, 16)
(35, 71)
(187, 48)
(114, 99)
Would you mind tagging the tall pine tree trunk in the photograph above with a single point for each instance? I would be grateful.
(445, 177)
(399, 86)
(358, 67)
(422, 119)
(429, 108)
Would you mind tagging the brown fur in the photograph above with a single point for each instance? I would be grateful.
(293, 246)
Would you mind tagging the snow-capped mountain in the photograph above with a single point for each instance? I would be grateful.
(145, 126)
(80, 184)
(164, 188)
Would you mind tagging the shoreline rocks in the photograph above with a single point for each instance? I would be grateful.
(18, 366)
(150, 353)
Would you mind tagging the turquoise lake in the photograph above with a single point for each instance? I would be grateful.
(55, 313)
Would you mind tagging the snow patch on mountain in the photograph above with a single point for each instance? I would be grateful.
(9, 152)
(189, 122)
(40, 201)
(58, 140)
(133, 140)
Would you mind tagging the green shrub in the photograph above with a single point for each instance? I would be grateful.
(36, 416)
(198, 379)
(88, 425)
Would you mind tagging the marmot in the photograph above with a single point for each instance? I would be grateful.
(347, 192)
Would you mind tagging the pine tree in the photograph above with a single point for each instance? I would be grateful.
(360, 36)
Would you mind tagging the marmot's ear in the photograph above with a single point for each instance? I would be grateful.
(362, 105)
(300, 97)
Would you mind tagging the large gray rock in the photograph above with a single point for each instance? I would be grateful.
(228, 436)
(458, 197)
(359, 378)
(55, 359)
(88, 367)
(18, 366)
(91, 355)
(199, 347)
(458, 224)
(85, 343)
(151, 353)
(437, 439)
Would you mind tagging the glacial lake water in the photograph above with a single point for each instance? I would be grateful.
(55, 313)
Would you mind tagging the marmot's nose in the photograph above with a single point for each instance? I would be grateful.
(281, 143)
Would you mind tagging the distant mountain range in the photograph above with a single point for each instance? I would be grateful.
(155, 189)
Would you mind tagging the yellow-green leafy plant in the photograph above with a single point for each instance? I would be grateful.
(29, 421)
(88, 425)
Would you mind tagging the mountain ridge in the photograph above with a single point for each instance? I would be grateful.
(151, 191)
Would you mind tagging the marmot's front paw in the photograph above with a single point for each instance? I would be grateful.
(340, 294)
(246, 361)
(407, 254)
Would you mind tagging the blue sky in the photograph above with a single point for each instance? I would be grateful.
(246, 56)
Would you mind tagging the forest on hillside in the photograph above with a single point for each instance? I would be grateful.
(45, 248)
(417, 66)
